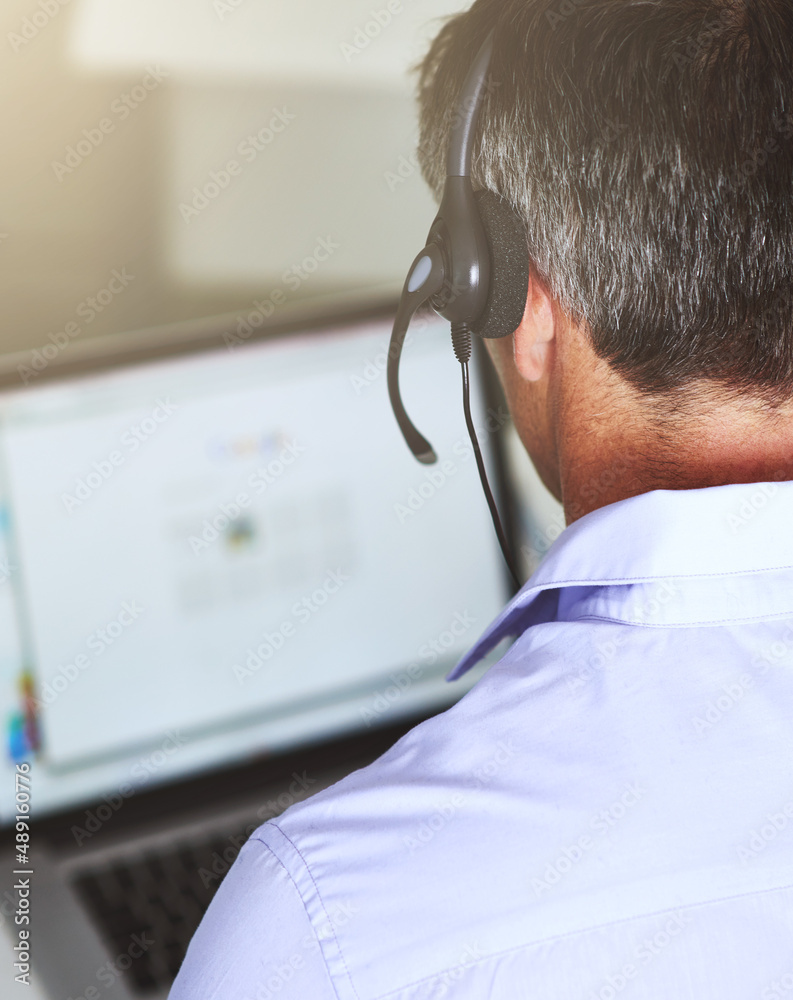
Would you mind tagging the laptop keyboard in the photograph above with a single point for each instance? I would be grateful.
(148, 907)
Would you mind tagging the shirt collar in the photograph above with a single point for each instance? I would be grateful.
(734, 531)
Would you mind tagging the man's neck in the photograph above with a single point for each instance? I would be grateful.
(633, 451)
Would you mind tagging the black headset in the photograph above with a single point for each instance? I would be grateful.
(474, 272)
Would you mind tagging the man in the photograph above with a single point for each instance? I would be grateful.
(609, 812)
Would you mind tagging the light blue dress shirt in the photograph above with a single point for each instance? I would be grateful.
(607, 814)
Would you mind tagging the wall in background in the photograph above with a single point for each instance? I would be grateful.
(258, 176)
(94, 179)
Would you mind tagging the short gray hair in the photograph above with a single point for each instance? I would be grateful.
(647, 146)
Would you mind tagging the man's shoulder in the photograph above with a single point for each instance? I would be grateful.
(533, 719)
(459, 807)
(376, 858)
(452, 754)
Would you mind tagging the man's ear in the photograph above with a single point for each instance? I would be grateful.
(534, 337)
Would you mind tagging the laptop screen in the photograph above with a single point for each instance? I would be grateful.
(210, 557)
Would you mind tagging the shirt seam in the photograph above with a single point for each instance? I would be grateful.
(585, 930)
(267, 847)
(692, 624)
(601, 582)
(522, 603)
(324, 910)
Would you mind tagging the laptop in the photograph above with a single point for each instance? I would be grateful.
(224, 584)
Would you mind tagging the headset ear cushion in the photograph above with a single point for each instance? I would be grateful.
(509, 272)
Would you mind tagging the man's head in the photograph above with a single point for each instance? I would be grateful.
(648, 147)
